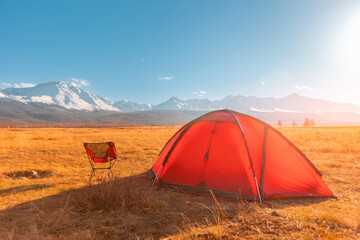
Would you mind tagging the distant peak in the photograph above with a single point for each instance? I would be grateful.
(295, 95)
(62, 83)
(50, 83)
(174, 99)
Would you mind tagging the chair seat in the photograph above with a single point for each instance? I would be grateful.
(103, 160)
(99, 154)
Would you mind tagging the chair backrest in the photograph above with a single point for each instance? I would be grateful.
(101, 152)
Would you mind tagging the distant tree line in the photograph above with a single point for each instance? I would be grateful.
(307, 123)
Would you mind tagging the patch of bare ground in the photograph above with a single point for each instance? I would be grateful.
(65, 206)
(29, 174)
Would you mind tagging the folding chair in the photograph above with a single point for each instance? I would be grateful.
(101, 154)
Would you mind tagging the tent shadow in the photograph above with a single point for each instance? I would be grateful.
(144, 211)
(281, 203)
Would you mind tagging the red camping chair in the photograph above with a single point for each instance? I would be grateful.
(101, 155)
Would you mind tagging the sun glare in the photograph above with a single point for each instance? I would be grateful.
(348, 49)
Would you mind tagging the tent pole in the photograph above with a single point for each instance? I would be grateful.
(266, 128)
(257, 188)
(248, 151)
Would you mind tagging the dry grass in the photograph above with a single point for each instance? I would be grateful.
(59, 204)
(126, 194)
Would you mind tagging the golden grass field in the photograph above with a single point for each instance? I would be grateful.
(62, 205)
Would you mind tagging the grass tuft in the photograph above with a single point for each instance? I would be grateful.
(126, 194)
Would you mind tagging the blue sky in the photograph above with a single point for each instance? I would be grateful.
(148, 51)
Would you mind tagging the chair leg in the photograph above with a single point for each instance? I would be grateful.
(111, 175)
(92, 175)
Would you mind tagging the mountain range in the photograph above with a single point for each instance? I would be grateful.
(68, 103)
(68, 96)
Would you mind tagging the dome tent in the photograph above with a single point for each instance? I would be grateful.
(236, 156)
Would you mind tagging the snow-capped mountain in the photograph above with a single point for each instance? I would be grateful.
(54, 102)
(128, 106)
(175, 103)
(69, 96)
(293, 103)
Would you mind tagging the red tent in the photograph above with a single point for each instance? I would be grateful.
(236, 156)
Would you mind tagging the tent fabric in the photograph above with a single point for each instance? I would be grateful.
(237, 156)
